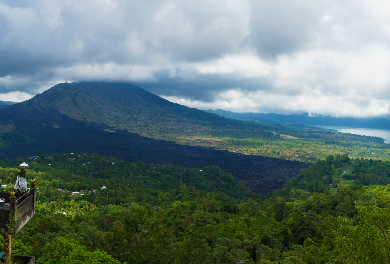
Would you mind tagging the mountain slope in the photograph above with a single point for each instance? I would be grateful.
(128, 107)
(75, 118)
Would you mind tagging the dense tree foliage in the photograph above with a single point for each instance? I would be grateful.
(7, 139)
(150, 213)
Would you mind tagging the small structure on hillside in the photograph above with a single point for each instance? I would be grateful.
(16, 209)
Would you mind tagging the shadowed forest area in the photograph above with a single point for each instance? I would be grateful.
(261, 174)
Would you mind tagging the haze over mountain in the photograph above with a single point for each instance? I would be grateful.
(6, 103)
(319, 120)
(96, 117)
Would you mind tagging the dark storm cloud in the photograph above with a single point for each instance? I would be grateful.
(280, 27)
(203, 87)
(63, 32)
(3, 89)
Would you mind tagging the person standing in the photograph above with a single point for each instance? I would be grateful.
(21, 182)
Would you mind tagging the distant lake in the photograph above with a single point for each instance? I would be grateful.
(382, 133)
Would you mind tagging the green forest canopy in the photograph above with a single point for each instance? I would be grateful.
(152, 213)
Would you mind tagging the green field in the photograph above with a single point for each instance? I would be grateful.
(347, 183)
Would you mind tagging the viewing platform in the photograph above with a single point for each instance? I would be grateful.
(15, 212)
(16, 209)
(20, 209)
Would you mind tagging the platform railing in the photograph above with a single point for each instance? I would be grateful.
(21, 209)
(25, 209)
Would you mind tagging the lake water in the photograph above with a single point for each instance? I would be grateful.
(382, 133)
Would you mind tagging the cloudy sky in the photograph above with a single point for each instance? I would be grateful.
(323, 57)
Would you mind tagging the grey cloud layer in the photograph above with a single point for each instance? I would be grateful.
(120, 31)
(272, 55)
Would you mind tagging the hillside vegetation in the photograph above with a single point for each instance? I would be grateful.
(117, 106)
(151, 213)
(123, 106)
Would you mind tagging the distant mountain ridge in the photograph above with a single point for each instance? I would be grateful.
(125, 106)
(128, 107)
(121, 106)
(6, 103)
(306, 119)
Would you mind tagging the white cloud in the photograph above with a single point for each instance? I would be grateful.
(15, 96)
(246, 65)
(317, 102)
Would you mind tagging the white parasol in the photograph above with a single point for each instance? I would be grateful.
(23, 165)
